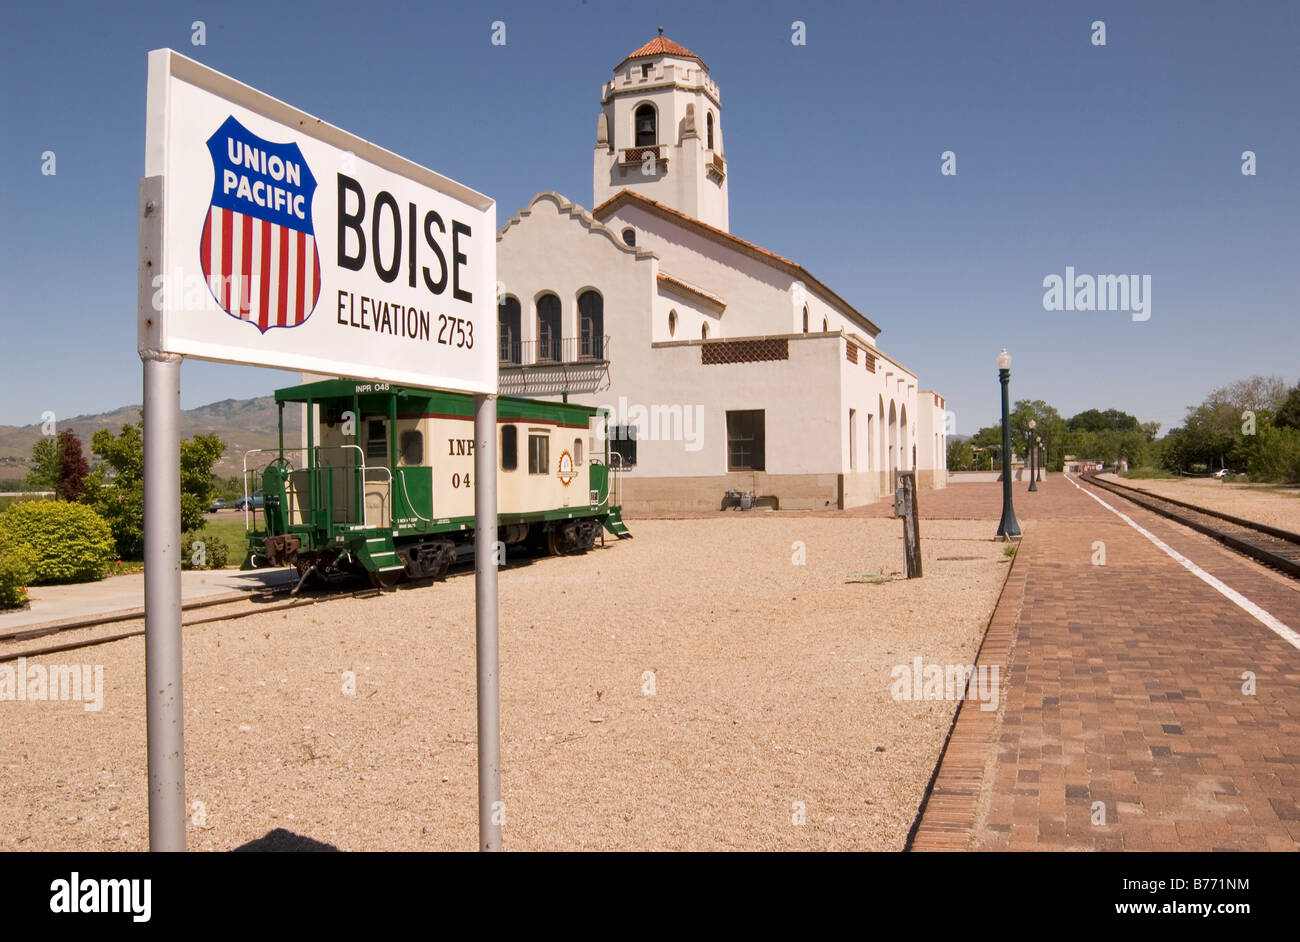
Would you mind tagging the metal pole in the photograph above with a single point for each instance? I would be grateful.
(1008, 527)
(491, 812)
(164, 704)
(1031, 459)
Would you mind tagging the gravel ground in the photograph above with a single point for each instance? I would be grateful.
(1264, 503)
(682, 690)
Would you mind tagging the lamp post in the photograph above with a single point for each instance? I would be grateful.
(1031, 452)
(1042, 457)
(1008, 529)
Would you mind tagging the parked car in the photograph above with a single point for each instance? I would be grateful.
(1223, 473)
(252, 502)
(218, 503)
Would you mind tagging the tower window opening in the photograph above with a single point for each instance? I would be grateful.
(647, 134)
(708, 124)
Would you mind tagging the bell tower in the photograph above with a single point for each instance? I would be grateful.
(659, 133)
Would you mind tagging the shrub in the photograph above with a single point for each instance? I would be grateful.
(70, 542)
(203, 550)
(17, 567)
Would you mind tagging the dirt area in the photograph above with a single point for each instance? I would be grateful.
(692, 688)
(1273, 504)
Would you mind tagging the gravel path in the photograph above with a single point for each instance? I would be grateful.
(682, 690)
(1264, 503)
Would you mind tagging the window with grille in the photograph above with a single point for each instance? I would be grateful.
(745, 440)
(622, 443)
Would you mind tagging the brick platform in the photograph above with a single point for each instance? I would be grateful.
(1124, 694)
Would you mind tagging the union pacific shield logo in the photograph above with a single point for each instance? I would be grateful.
(258, 247)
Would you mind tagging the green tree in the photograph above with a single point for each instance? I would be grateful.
(115, 489)
(961, 457)
(1288, 413)
(44, 475)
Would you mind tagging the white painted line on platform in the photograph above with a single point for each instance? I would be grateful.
(1282, 631)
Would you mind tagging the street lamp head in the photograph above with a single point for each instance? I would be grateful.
(1033, 424)
(1004, 360)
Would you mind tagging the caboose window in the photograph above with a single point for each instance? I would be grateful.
(376, 440)
(539, 454)
(509, 448)
(412, 448)
(577, 451)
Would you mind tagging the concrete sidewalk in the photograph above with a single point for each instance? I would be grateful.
(52, 603)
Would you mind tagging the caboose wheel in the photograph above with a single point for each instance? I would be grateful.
(386, 580)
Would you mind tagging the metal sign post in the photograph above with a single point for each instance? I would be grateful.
(271, 238)
(164, 703)
(491, 812)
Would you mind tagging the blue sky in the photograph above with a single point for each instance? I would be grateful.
(1122, 159)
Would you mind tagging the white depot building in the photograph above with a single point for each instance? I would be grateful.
(726, 367)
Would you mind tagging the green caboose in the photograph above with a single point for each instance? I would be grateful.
(387, 483)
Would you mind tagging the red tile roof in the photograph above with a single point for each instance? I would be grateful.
(661, 45)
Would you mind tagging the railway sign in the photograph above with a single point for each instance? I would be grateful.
(270, 238)
(288, 242)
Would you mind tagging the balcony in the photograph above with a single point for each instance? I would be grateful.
(717, 168)
(639, 157)
(554, 365)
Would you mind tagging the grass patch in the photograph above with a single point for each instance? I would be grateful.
(228, 528)
(1147, 473)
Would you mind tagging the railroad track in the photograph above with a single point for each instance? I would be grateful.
(266, 597)
(249, 600)
(1274, 547)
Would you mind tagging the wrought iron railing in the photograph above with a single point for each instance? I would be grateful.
(554, 350)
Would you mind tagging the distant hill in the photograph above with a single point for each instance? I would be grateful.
(243, 424)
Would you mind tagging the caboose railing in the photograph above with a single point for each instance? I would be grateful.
(316, 485)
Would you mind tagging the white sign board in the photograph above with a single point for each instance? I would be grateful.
(290, 243)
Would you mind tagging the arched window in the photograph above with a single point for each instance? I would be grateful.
(708, 126)
(805, 318)
(672, 323)
(824, 325)
(548, 327)
(508, 320)
(704, 331)
(645, 123)
(629, 236)
(591, 323)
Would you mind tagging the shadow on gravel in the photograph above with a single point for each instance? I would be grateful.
(281, 840)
